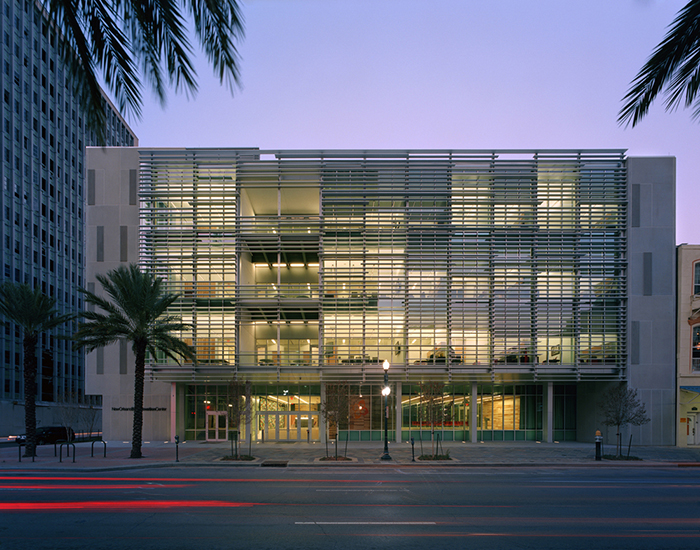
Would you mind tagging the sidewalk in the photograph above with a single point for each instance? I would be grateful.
(363, 454)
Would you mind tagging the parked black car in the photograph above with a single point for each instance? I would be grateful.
(49, 434)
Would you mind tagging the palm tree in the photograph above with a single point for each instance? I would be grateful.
(35, 313)
(138, 313)
(674, 65)
(124, 39)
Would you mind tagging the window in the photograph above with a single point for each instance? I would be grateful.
(695, 354)
(696, 278)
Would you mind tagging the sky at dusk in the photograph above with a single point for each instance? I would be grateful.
(438, 74)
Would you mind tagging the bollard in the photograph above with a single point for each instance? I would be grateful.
(60, 450)
(598, 445)
(92, 447)
(20, 451)
(413, 450)
(177, 444)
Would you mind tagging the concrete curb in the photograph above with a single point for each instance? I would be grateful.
(353, 465)
(298, 456)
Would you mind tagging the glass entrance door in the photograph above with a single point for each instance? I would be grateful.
(308, 426)
(691, 429)
(288, 426)
(217, 426)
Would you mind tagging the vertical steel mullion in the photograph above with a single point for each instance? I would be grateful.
(278, 297)
(491, 272)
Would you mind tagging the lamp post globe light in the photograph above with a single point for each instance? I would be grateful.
(386, 390)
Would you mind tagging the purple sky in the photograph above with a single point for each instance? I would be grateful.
(438, 74)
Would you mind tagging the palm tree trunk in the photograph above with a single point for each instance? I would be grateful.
(29, 344)
(139, 367)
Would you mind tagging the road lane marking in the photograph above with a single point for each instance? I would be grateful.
(361, 490)
(365, 523)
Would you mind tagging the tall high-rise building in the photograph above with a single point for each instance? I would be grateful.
(44, 136)
(523, 283)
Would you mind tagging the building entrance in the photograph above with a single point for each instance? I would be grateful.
(217, 426)
(692, 425)
(288, 426)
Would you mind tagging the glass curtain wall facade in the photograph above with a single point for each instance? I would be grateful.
(42, 200)
(490, 272)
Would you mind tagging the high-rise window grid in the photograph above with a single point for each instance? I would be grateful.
(42, 201)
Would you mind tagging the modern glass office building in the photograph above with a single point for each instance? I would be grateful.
(42, 200)
(507, 278)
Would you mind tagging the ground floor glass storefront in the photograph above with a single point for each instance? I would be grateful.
(503, 413)
(293, 412)
(279, 412)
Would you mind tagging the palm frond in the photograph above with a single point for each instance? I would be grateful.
(90, 340)
(176, 48)
(136, 309)
(158, 34)
(77, 55)
(114, 57)
(218, 23)
(173, 347)
(673, 65)
(30, 308)
(122, 39)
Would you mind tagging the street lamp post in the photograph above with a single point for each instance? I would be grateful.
(386, 390)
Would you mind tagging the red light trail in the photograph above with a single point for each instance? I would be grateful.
(85, 487)
(202, 480)
(119, 505)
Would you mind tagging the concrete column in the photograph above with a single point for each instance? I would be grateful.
(472, 413)
(399, 417)
(548, 413)
(321, 420)
(250, 421)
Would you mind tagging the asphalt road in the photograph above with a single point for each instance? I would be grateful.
(310, 508)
